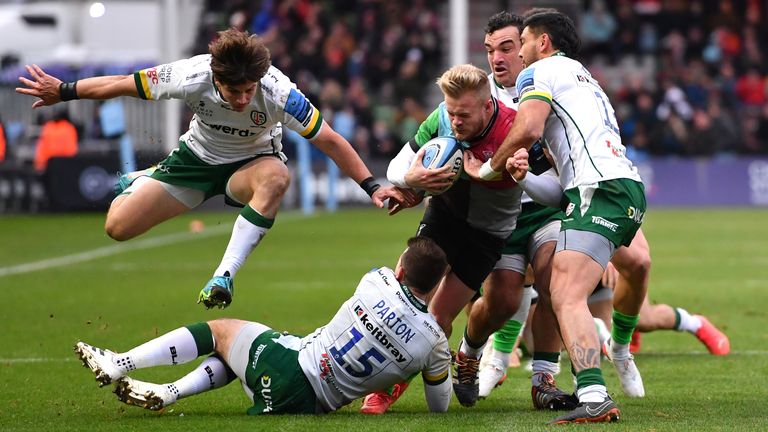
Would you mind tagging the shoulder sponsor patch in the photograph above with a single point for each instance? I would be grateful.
(524, 80)
(298, 106)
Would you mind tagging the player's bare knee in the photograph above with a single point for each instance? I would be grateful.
(117, 230)
(280, 181)
(639, 267)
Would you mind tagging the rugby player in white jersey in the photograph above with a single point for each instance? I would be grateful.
(233, 146)
(562, 105)
(533, 241)
(502, 56)
(382, 335)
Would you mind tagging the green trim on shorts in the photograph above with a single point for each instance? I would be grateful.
(532, 217)
(274, 375)
(614, 209)
(183, 168)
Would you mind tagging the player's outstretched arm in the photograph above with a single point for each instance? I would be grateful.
(52, 90)
(340, 150)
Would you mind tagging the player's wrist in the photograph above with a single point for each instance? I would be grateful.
(487, 172)
(370, 186)
(520, 181)
(68, 91)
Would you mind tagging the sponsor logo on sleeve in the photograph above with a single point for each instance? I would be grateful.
(525, 82)
(298, 106)
(152, 75)
(165, 73)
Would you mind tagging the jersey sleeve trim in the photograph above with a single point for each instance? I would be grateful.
(313, 127)
(537, 94)
(142, 86)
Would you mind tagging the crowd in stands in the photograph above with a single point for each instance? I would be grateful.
(686, 77)
(368, 65)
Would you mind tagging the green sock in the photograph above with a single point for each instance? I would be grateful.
(504, 339)
(201, 332)
(623, 326)
(588, 377)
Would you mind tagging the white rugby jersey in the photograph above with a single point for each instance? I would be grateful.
(218, 135)
(381, 336)
(508, 96)
(581, 131)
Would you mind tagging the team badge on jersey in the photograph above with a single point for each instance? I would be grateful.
(258, 118)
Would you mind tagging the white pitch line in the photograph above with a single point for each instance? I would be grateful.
(147, 243)
(105, 251)
(101, 252)
(640, 356)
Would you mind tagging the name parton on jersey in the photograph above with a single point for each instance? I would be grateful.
(379, 335)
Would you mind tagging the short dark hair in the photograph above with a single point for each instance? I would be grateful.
(238, 57)
(560, 29)
(424, 264)
(503, 19)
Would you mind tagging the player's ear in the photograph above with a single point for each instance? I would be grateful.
(399, 271)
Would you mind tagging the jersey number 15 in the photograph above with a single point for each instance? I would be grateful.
(364, 360)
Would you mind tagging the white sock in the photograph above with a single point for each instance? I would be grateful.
(688, 322)
(592, 393)
(211, 374)
(469, 351)
(500, 358)
(172, 348)
(619, 351)
(540, 366)
(245, 237)
(524, 307)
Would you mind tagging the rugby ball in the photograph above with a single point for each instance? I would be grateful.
(442, 151)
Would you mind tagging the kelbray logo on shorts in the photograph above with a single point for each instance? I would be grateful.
(266, 392)
(602, 222)
(256, 355)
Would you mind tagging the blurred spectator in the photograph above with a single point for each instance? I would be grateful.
(597, 29)
(761, 146)
(751, 88)
(58, 138)
(2, 142)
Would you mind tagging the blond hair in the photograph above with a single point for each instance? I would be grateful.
(464, 78)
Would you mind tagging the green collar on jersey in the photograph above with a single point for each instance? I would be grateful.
(415, 301)
(559, 53)
(498, 84)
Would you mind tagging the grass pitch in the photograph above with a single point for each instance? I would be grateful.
(63, 280)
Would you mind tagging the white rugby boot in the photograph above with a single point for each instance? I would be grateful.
(629, 375)
(145, 394)
(101, 362)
